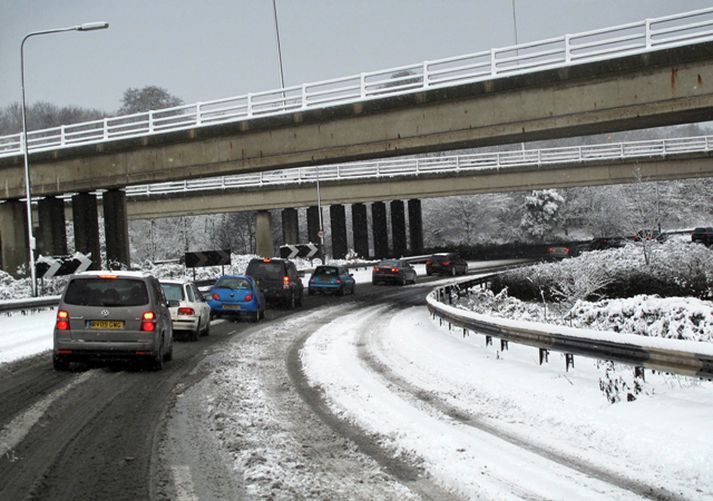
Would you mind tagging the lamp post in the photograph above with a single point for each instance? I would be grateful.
(25, 147)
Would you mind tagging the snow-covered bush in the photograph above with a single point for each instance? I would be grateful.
(542, 213)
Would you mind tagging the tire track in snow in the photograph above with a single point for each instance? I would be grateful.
(369, 342)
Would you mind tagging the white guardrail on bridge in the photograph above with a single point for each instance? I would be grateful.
(689, 358)
(596, 45)
(438, 165)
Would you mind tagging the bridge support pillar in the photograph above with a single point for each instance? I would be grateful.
(360, 230)
(263, 234)
(86, 227)
(415, 226)
(52, 232)
(290, 227)
(313, 224)
(116, 229)
(398, 228)
(14, 251)
(338, 223)
(379, 230)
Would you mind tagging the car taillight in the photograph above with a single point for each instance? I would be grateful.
(148, 321)
(216, 296)
(338, 281)
(62, 320)
(285, 280)
(428, 263)
(446, 263)
(184, 310)
(394, 270)
(566, 250)
(248, 297)
(376, 269)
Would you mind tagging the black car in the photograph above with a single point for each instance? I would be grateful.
(447, 263)
(703, 235)
(278, 280)
(393, 271)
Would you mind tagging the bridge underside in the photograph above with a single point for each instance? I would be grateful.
(369, 190)
(660, 88)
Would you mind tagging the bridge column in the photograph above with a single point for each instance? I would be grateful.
(313, 224)
(378, 227)
(116, 229)
(338, 224)
(360, 230)
(290, 227)
(415, 226)
(86, 226)
(52, 232)
(14, 251)
(263, 234)
(398, 227)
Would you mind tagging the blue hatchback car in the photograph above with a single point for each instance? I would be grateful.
(334, 279)
(237, 296)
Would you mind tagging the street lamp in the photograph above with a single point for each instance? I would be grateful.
(25, 147)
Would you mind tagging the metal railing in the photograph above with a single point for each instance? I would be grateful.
(687, 358)
(596, 45)
(438, 165)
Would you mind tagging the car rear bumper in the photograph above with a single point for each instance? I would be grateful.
(185, 324)
(78, 350)
(387, 278)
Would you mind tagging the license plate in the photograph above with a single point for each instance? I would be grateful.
(231, 306)
(106, 324)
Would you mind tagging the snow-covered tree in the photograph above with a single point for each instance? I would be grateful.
(150, 97)
(542, 213)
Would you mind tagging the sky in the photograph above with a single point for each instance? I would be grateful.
(212, 49)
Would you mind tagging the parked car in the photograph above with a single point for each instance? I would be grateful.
(559, 251)
(278, 280)
(395, 271)
(190, 312)
(703, 235)
(112, 314)
(237, 296)
(331, 279)
(446, 264)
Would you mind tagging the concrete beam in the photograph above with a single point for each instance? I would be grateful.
(264, 245)
(338, 226)
(290, 226)
(86, 227)
(14, 251)
(52, 231)
(427, 186)
(398, 228)
(646, 90)
(360, 230)
(116, 229)
(415, 226)
(379, 230)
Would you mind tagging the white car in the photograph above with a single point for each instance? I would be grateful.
(190, 312)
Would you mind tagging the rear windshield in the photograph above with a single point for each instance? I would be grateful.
(173, 292)
(390, 262)
(441, 258)
(233, 283)
(106, 292)
(326, 271)
(270, 270)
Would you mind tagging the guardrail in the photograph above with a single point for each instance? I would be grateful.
(596, 45)
(687, 358)
(661, 148)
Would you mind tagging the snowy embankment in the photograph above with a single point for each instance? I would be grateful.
(494, 424)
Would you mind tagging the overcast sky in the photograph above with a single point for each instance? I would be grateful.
(209, 49)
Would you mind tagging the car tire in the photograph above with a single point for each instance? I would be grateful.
(206, 332)
(429, 273)
(157, 362)
(353, 289)
(299, 298)
(453, 271)
(310, 292)
(168, 356)
(262, 314)
(340, 292)
(291, 302)
(195, 334)
(59, 363)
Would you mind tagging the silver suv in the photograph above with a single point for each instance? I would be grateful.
(112, 315)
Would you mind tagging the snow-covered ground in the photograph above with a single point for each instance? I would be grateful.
(494, 425)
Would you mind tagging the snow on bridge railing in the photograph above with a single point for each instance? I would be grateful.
(439, 165)
(627, 39)
(688, 358)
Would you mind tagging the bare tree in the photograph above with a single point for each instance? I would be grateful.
(647, 212)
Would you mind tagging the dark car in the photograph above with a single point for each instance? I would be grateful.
(237, 296)
(393, 271)
(277, 279)
(334, 279)
(112, 315)
(603, 243)
(703, 235)
(446, 264)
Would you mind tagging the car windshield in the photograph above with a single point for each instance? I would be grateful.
(173, 292)
(233, 283)
(263, 269)
(326, 271)
(106, 292)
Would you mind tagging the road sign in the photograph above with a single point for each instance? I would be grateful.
(56, 266)
(207, 258)
(306, 251)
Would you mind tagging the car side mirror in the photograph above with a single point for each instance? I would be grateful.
(173, 302)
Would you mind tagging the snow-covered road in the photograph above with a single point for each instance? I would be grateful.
(494, 425)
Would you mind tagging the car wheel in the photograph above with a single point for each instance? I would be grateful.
(310, 292)
(262, 314)
(291, 301)
(168, 356)
(299, 298)
(465, 270)
(206, 332)
(353, 289)
(340, 292)
(453, 271)
(157, 362)
(428, 273)
(59, 363)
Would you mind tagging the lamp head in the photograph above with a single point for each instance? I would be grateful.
(99, 25)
